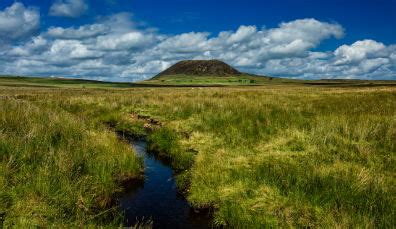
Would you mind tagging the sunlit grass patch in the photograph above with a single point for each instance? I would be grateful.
(56, 170)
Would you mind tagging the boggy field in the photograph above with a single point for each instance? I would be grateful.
(299, 156)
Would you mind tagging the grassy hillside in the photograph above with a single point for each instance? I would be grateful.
(272, 155)
(244, 79)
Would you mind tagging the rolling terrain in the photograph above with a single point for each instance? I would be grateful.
(284, 154)
(218, 73)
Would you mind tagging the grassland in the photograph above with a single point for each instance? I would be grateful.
(21, 81)
(236, 80)
(272, 155)
(58, 169)
(254, 80)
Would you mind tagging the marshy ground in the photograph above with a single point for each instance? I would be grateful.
(272, 155)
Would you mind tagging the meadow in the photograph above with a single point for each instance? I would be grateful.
(276, 155)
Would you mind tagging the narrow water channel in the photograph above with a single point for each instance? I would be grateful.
(157, 199)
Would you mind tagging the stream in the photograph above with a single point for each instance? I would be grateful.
(157, 199)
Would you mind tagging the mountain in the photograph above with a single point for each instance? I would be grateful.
(205, 73)
(200, 68)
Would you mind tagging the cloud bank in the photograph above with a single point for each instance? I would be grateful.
(114, 49)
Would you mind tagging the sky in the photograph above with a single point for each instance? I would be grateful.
(134, 40)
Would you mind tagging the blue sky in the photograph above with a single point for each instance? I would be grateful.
(134, 40)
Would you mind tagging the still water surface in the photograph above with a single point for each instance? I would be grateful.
(157, 198)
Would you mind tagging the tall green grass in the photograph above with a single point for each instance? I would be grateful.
(57, 170)
(280, 156)
(286, 157)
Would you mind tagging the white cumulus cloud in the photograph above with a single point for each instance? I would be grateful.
(128, 40)
(71, 49)
(359, 51)
(82, 32)
(18, 21)
(68, 8)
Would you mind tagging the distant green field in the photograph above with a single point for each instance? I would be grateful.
(184, 80)
(20, 81)
(283, 153)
